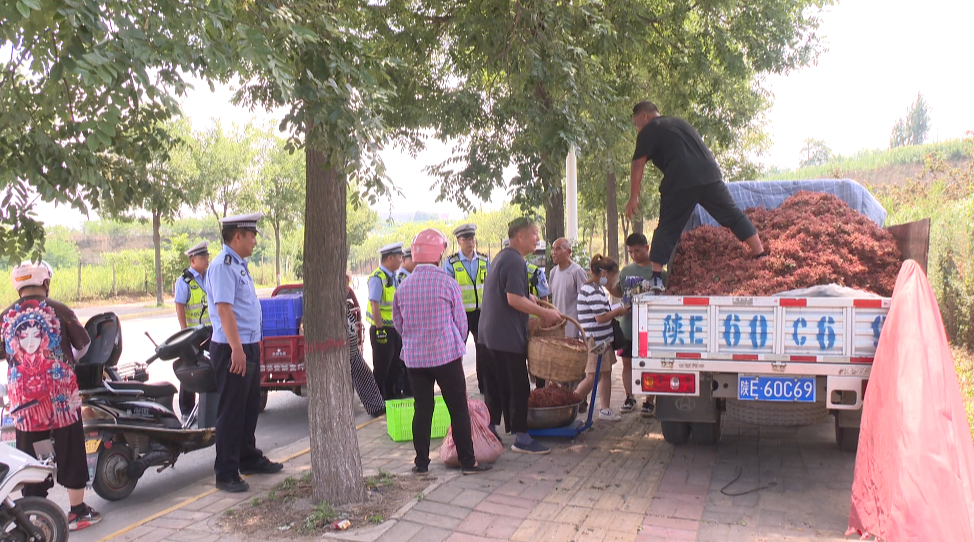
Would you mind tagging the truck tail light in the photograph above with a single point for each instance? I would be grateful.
(669, 383)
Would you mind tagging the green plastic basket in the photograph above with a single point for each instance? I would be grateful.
(399, 419)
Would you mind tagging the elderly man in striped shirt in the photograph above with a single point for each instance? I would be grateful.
(428, 313)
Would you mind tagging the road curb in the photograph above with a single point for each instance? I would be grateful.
(211, 491)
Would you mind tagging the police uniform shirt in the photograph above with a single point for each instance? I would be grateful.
(228, 281)
(375, 284)
(401, 275)
(181, 292)
(470, 265)
(543, 289)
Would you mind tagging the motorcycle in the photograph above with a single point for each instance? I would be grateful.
(28, 519)
(130, 426)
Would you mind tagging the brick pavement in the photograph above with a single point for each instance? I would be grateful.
(617, 482)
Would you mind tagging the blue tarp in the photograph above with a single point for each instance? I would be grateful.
(771, 194)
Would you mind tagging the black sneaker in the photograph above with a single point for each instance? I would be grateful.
(421, 470)
(89, 517)
(233, 485)
(656, 286)
(476, 469)
(649, 409)
(263, 466)
(629, 405)
(534, 448)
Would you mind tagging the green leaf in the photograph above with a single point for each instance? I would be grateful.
(23, 8)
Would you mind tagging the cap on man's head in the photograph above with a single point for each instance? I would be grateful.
(408, 253)
(203, 248)
(391, 249)
(465, 229)
(244, 222)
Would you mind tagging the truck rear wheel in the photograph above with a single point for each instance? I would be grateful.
(777, 414)
(846, 437)
(705, 434)
(676, 433)
(263, 400)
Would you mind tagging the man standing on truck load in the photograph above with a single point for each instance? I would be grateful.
(235, 355)
(691, 176)
(407, 266)
(469, 268)
(504, 331)
(386, 343)
(190, 301)
(43, 340)
(631, 277)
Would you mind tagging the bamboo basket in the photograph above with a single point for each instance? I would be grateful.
(556, 358)
(535, 328)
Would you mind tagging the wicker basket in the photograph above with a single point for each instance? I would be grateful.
(536, 329)
(556, 358)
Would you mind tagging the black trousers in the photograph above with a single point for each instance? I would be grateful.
(386, 365)
(236, 418)
(473, 325)
(453, 386)
(507, 373)
(675, 209)
(69, 452)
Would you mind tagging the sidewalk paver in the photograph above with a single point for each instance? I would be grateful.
(619, 482)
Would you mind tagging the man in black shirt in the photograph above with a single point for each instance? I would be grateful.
(503, 330)
(691, 176)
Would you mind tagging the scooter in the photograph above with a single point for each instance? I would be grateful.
(27, 519)
(130, 426)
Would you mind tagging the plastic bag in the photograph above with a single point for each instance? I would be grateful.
(486, 447)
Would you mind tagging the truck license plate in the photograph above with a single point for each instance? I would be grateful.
(776, 388)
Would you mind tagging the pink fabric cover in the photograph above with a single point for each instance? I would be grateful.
(913, 479)
(486, 447)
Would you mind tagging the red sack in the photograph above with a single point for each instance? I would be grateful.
(486, 447)
(914, 478)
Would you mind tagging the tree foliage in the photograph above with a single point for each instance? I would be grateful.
(914, 127)
(815, 152)
(85, 89)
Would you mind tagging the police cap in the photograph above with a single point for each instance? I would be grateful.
(202, 249)
(244, 222)
(391, 249)
(465, 229)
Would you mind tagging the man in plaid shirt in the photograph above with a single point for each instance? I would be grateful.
(428, 313)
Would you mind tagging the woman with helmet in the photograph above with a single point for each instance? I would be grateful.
(428, 313)
(42, 341)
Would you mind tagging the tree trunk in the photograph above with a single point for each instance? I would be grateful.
(157, 244)
(336, 464)
(554, 222)
(612, 212)
(637, 223)
(277, 252)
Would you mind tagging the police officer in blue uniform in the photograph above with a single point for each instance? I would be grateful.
(386, 342)
(190, 300)
(235, 354)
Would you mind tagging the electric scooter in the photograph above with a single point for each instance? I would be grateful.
(27, 519)
(130, 426)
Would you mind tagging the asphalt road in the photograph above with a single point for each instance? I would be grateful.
(282, 423)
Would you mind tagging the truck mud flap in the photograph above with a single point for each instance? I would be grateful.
(702, 408)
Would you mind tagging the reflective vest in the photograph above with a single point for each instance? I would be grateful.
(534, 277)
(471, 289)
(196, 313)
(385, 304)
(401, 276)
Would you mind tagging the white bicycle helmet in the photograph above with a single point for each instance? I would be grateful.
(31, 274)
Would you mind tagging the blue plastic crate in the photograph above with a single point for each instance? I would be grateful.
(281, 315)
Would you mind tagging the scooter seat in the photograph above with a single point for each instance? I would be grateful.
(152, 390)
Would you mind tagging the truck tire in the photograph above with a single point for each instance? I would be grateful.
(263, 400)
(846, 437)
(676, 433)
(705, 434)
(775, 414)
